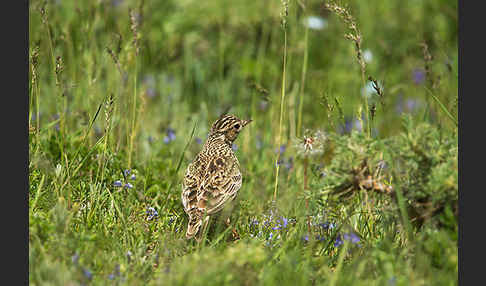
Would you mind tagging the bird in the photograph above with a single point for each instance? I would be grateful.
(214, 177)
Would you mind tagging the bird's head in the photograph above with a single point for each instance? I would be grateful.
(229, 126)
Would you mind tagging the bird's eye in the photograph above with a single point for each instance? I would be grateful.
(237, 126)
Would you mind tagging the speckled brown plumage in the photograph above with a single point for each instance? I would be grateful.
(214, 177)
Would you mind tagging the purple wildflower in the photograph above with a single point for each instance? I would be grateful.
(290, 163)
(284, 222)
(117, 183)
(411, 104)
(87, 273)
(75, 258)
(234, 147)
(128, 186)
(338, 241)
(198, 140)
(170, 136)
(259, 143)
(281, 149)
(324, 225)
(263, 105)
(152, 213)
(418, 76)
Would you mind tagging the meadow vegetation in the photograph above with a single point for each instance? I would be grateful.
(350, 165)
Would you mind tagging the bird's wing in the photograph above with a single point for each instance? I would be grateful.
(221, 184)
(190, 187)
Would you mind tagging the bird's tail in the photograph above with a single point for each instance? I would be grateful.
(194, 228)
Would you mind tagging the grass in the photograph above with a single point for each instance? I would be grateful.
(122, 94)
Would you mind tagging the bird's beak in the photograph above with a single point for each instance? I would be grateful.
(245, 122)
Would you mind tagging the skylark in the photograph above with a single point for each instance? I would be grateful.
(214, 177)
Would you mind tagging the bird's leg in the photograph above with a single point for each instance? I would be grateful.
(234, 232)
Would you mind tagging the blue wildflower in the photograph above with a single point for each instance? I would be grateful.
(358, 125)
(418, 76)
(354, 238)
(324, 225)
(152, 213)
(111, 276)
(234, 147)
(259, 143)
(133, 177)
(128, 186)
(338, 242)
(281, 149)
(127, 172)
(75, 258)
(170, 136)
(320, 238)
(411, 104)
(285, 222)
(347, 126)
(87, 273)
(263, 105)
(117, 183)
(290, 163)
(254, 222)
(198, 140)
(305, 238)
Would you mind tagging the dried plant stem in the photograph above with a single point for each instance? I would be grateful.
(279, 138)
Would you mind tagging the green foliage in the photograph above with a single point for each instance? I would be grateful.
(111, 131)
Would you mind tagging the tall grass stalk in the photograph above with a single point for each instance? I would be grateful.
(134, 26)
(442, 106)
(134, 116)
(356, 37)
(282, 98)
(45, 21)
(302, 81)
(339, 265)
